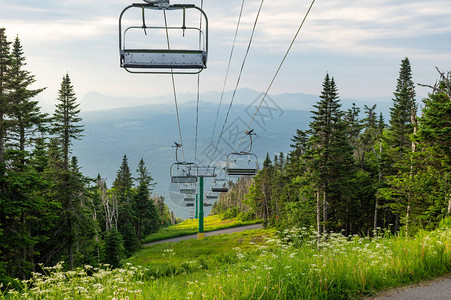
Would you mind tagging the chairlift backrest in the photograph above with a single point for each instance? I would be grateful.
(242, 163)
(145, 47)
(219, 186)
(187, 188)
(182, 172)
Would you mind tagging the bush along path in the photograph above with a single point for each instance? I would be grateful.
(295, 265)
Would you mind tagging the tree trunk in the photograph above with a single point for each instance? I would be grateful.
(380, 179)
(413, 120)
(449, 205)
(318, 216)
(324, 212)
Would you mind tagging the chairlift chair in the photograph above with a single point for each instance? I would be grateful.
(146, 48)
(189, 199)
(189, 204)
(183, 172)
(242, 163)
(206, 171)
(219, 186)
(207, 204)
(187, 188)
(211, 197)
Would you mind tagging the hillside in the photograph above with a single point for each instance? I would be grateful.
(148, 131)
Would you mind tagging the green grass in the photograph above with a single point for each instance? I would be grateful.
(242, 266)
(191, 226)
(211, 251)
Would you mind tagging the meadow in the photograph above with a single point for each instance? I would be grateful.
(191, 226)
(258, 264)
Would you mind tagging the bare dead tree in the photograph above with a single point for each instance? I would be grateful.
(110, 206)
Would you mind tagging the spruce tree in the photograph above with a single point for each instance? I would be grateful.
(145, 211)
(5, 100)
(331, 159)
(400, 114)
(66, 119)
(124, 181)
(26, 116)
(122, 189)
(399, 142)
(66, 128)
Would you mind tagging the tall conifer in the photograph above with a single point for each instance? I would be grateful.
(66, 128)
(26, 115)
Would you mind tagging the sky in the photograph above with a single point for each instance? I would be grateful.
(360, 43)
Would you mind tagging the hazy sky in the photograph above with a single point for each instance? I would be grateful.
(359, 42)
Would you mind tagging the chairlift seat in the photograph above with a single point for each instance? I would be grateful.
(189, 199)
(211, 197)
(239, 172)
(219, 189)
(207, 204)
(158, 59)
(189, 204)
(187, 191)
(183, 179)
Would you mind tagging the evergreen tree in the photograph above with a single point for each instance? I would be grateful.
(66, 128)
(122, 189)
(114, 251)
(143, 206)
(330, 159)
(5, 100)
(65, 125)
(398, 139)
(123, 182)
(400, 114)
(26, 117)
(432, 184)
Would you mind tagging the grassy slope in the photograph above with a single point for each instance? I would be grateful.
(247, 266)
(212, 249)
(191, 226)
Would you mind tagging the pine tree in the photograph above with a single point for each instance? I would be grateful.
(143, 206)
(5, 100)
(66, 128)
(26, 117)
(433, 160)
(402, 116)
(122, 189)
(124, 181)
(331, 159)
(65, 125)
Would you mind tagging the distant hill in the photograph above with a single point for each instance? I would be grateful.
(148, 131)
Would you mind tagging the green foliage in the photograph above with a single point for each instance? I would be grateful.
(114, 251)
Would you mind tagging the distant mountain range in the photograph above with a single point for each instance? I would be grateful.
(149, 131)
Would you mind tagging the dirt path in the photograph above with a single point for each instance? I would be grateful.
(209, 233)
(437, 289)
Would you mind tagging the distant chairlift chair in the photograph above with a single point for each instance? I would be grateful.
(242, 163)
(183, 172)
(219, 186)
